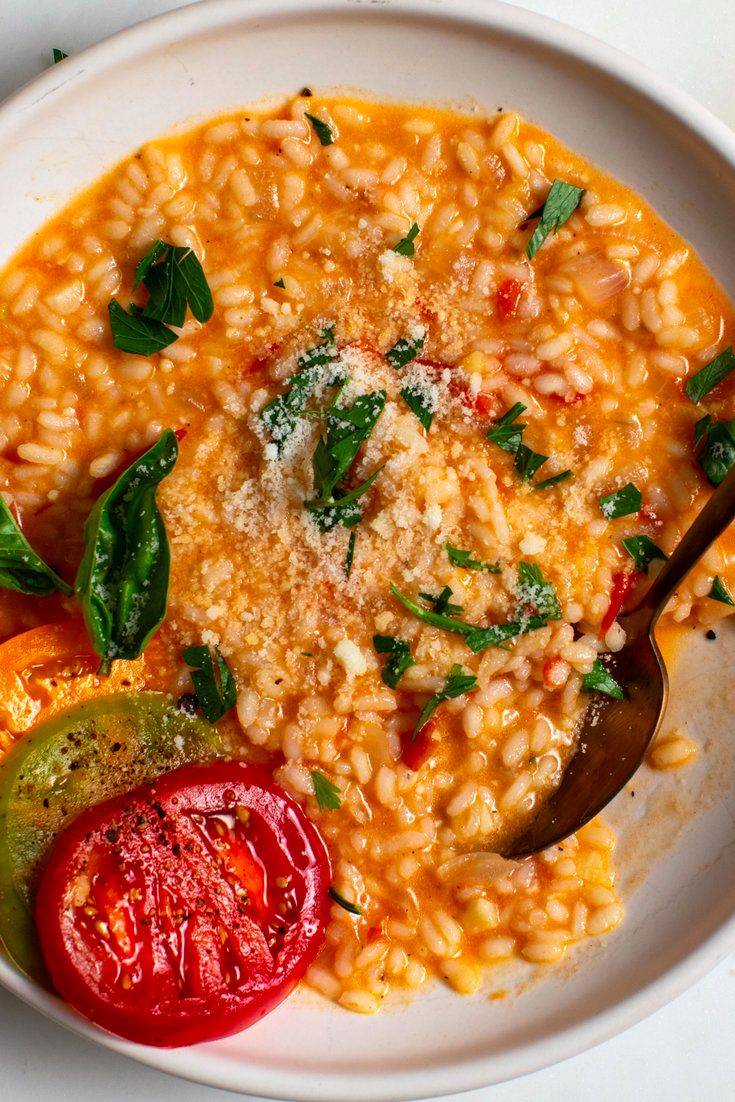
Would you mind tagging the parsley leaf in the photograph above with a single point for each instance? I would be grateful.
(281, 414)
(347, 428)
(535, 591)
(132, 332)
(404, 351)
(527, 462)
(279, 283)
(643, 551)
(350, 553)
(420, 403)
(505, 433)
(399, 658)
(708, 377)
(719, 592)
(322, 129)
(405, 246)
(344, 903)
(21, 568)
(215, 688)
(561, 202)
(58, 55)
(622, 503)
(457, 557)
(598, 680)
(555, 479)
(327, 794)
(456, 684)
(715, 441)
(441, 602)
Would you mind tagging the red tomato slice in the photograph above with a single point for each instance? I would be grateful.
(508, 296)
(186, 909)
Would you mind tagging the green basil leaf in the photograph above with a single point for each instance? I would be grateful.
(527, 462)
(58, 55)
(21, 568)
(719, 592)
(321, 129)
(505, 433)
(405, 246)
(456, 684)
(167, 296)
(441, 603)
(157, 250)
(553, 481)
(327, 794)
(480, 639)
(708, 377)
(344, 903)
(215, 686)
(404, 351)
(123, 578)
(279, 283)
(642, 551)
(533, 590)
(561, 202)
(622, 503)
(281, 414)
(349, 558)
(716, 447)
(419, 402)
(343, 510)
(399, 658)
(457, 557)
(137, 334)
(598, 680)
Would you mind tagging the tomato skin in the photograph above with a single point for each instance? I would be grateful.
(415, 751)
(623, 583)
(187, 909)
(508, 296)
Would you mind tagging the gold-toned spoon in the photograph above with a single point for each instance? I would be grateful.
(616, 733)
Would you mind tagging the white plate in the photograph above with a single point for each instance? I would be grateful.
(78, 119)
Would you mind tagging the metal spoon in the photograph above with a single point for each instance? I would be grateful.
(616, 733)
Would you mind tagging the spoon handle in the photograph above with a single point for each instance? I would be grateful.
(717, 514)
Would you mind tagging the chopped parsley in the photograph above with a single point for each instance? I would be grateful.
(322, 130)
(534, 591)
(215, 689)
(58, 55)
(598, 680)
(528, 462)
(350, 553)
(714, 442)
(643, 551)
(719, 592)
(399, 658)
(335, 453)
(420, 403)
(327, 794)
(561, 202)
(344, 903)
(708, 377)
(440, 602)
(404, 351)
(456, 684)
(555, 479)
(281, 414)
(405, 246)
(458, 557)
(279, 283)
(621, 503)
(507, 433)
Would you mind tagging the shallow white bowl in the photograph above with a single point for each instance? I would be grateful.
(678, 841)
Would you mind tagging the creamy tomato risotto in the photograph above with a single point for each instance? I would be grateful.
(364, 422)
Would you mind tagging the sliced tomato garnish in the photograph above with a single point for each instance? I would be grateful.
(623, 584)
(508, 296)
(186, 909)
(415, 751)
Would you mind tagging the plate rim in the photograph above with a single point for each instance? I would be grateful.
(696, 121)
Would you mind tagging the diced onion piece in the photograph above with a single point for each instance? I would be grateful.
(596, 277)
(476, 868)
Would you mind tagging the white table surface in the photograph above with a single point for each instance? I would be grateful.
(685, 1051)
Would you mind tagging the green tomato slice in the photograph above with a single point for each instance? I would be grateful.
(75, 760)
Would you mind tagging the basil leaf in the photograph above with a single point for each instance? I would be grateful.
(156, 251)
(167, 301)
(344, 903)
(335, 453)
(718, 592)
(708, 377)
(561, 202)
(643, 551)
(480, 639)
(327, 794)
(527, 462)
(598, 680)
(279, 283)
(404, 351)
(553, 481)
(281, 414)
(321, 129)
(457, 557)
(122, 581)
(716, 442)
(58, 55)
(350, 553)
(137, 334)
(622, 503)
(21, 568)
(534, 590)
(434, 619)
(456, 684)
(344, 510)
(399, 658)
(215, 687)
(420, 403)
(189, 275)
(441, 602)
(405, 246)
(505, 433)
